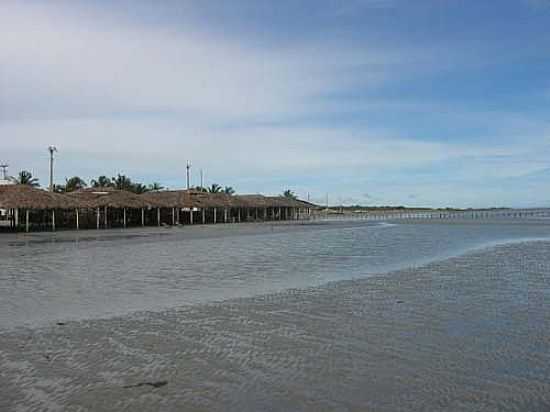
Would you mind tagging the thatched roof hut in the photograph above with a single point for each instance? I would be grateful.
(188, 199)
(194, 198)
(168, 198)
(109, 197)
(28, 197)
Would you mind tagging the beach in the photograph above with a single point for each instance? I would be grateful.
(469, 332)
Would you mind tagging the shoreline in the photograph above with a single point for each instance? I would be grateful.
(151, 232)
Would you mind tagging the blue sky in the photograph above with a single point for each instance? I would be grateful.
(428, 103)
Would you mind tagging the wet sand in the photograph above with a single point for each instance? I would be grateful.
(463, 334)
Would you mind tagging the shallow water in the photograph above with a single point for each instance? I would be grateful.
(47, 280)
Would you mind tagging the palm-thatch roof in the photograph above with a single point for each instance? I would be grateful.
(28, 197)
(168, 198)
(109, 197)
(194, 198)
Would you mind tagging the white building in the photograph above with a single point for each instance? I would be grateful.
(4, 180)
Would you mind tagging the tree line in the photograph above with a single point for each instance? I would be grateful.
(121, 182)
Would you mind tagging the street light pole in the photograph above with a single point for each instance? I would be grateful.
(188, 169)
(51, 149)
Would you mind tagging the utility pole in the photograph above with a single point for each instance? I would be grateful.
(188, 169)
(51, 149)
(4, 167)
(202, 179)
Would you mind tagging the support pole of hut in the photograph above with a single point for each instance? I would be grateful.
(158, 216)
(27, 221)
(239, 214)
(225, 215)
(97, 217)
(53, 220)
(191, 216)
(16, 218)
(142, 217)
(265, 213)
(106, 218)
(124, 211)
(215, 215)
(173, 216)
(77, 220)
(203, 216)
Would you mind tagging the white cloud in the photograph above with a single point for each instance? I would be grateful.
(85, 68)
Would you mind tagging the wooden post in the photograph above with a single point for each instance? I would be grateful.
(225, 215)
(106, 218)
(158, 216)
(97, 218)
(239, 215)
(16, 218)
(27, 221)
(173, 216)
(142, 217)
(215, 215)
(265, 214)
(191, 216)
(53, 220)
(203, 216)
(256, 213)
(77, 220)
(124, 211)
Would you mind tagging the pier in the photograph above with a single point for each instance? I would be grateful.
(405, 215)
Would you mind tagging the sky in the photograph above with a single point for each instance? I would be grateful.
(373, 102)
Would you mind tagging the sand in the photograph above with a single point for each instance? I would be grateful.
(467, 333)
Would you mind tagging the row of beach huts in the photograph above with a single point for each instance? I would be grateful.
(26, 209)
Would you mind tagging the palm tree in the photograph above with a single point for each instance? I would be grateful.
(122, 182)
(200, 189)
(102, 181)
(228, 190)
(215, 188)
(289, 194)
(139, 188)
(25, 178)
(74, 183)
(155, 187)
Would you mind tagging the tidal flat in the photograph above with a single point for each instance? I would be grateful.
(470, 331)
